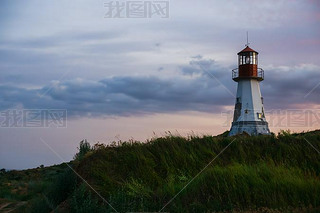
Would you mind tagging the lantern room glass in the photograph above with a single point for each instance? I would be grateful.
(248, 58)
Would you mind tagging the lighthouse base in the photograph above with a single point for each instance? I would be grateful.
(249, 127)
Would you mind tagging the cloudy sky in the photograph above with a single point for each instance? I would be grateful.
(122, 78)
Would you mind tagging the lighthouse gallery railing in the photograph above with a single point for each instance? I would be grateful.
(260, 74)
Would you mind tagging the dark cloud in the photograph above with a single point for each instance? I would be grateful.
(192, 89)
(61, 39)
(124, 95)
(207, 67)
(289, 87)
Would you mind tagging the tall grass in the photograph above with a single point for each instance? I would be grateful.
(280, 172)
(265, 171)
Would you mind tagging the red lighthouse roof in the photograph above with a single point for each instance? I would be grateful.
(247, 49)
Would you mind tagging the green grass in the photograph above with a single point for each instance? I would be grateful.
(42, 188)
(255, 174)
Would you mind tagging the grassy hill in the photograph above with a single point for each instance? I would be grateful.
(175, 174)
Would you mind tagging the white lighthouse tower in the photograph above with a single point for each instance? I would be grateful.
(249, 114)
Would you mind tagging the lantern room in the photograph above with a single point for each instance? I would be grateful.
(248, 65)
(248, 56)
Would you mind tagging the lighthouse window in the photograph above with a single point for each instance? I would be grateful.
(255, 58)
(247, 59)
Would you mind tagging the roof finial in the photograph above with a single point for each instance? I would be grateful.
(247, 44)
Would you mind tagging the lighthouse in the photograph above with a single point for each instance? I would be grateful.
(249, 114)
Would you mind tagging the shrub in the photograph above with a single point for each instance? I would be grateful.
(84, 148)
(62, 187)
(83, 202)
